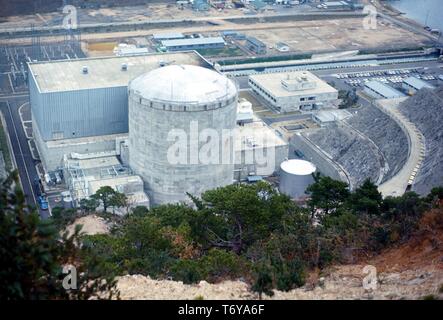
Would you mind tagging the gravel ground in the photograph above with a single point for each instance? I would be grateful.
(91, 224)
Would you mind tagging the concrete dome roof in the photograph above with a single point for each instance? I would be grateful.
(298, 167)
(183, 84)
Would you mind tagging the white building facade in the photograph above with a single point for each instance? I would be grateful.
(294, 91)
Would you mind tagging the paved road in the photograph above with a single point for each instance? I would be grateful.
(292, 117)
(26, 30)
(412, 28)
(25, 162)
(399, 183)
(4, 98)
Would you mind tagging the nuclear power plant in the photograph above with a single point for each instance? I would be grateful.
(157, 127)
(173, 98)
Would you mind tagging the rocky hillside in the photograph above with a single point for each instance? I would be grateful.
(356, 155)
(425, 110)
(386, 134)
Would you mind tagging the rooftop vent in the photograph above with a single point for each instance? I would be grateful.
(162, 63)
(124, 66)
(85, 69)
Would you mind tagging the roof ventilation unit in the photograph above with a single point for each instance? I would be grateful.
(124, 66)
(85, 69)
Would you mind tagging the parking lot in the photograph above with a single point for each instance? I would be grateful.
(388, 76)
(392, 77)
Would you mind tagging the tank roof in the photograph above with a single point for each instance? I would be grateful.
(298, 167)
(183, 84)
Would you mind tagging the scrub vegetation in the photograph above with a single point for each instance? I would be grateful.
(248, 232)
(4, 148)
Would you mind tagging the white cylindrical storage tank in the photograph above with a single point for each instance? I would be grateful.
(295, 177)
(178, 119)
(68, 202)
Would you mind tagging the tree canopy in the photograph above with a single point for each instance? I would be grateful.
(33, 254)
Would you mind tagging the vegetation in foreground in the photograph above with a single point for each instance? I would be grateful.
(248, 232)
(33, 255)
(4, 148)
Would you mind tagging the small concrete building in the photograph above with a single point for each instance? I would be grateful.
(380, 90)
(244, 111)
(337, 5)
(124, 49)
(194, 43)
(85, 175)
(330, 117)
(255, 45)
(259, 150)
(413, 84)
(294, 91)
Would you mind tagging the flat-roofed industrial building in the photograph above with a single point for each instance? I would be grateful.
(194, 43)
(379, 90)
(82, 105)
(293, 91)
(413, 84)
(256, 45)
(168, 36)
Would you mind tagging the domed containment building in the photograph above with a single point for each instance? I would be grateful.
(176, 114)
(295, 177)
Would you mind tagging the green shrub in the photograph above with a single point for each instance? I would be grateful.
(220, 264)
(188, 271)
(291, 276)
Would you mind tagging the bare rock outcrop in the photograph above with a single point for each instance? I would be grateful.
(91, 224)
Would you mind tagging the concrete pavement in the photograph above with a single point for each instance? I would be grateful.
(417, 149)
(21, 152)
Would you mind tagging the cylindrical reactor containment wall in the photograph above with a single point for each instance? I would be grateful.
(180, 117)
(295, 177)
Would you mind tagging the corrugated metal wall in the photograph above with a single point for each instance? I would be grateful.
(83, 113)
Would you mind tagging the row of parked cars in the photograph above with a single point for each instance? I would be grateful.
(358, 82)
(427, 77)
(376, 73)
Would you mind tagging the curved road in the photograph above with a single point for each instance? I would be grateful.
(398, 184)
